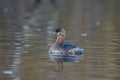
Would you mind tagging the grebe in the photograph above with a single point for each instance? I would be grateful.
(61, 50)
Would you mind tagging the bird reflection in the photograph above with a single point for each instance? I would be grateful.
(58, 66)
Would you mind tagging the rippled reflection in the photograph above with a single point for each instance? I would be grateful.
(92, 24)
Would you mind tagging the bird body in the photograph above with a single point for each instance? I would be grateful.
(66, 48)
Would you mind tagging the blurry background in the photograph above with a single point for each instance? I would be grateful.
(26, 33)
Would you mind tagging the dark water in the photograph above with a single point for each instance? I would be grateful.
(94, 25)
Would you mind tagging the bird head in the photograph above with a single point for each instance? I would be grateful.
(60, 31)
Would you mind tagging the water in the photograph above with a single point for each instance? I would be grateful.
(94, 25)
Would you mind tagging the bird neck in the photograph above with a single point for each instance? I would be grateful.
(59, 40)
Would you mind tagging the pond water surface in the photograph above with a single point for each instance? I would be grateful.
(93, 25)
